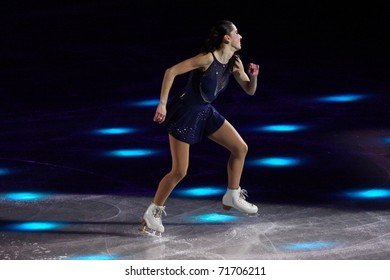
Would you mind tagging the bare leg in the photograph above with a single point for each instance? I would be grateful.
(235, 197)
(228, 137)
(180, 160)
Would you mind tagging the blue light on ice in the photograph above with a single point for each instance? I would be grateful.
(146, 103)
(131, 153)
(35, 226)
(214, 218)
(24, 196)
(306, 246)
(342, 98)
(281, 128)
(369, 194)
(201, 191)
(4, 171)
(114, 131)
(386, 140)
(276, 162)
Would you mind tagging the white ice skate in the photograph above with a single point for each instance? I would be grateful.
(151, 222)
(236, 198)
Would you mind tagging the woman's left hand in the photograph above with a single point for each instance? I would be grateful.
(253, 69)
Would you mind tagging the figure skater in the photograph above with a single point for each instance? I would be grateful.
(189, 116)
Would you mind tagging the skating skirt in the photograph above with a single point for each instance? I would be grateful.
(189, 123)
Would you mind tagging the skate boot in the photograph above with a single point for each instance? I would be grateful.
(235, 198)
(151, 222)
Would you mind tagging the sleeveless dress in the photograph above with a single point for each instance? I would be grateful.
(190, 115)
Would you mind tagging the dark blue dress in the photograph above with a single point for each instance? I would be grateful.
(190, 115)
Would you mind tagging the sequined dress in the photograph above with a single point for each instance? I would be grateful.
(190, 115)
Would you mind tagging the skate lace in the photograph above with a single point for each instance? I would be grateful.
(243, 196)
(159, 211)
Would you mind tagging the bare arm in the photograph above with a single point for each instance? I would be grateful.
(200, 61)
(247, 81)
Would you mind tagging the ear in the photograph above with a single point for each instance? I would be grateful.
(226, 38)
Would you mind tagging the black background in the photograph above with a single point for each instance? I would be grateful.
(55, 54)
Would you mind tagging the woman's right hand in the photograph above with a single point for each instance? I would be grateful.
(160, 114)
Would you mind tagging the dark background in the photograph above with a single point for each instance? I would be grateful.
(70, 67)
(75, 52)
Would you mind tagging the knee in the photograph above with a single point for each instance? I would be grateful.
(179, 173)
(241, 150)
(244, 149)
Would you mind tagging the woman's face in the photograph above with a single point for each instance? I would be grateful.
(235, 38)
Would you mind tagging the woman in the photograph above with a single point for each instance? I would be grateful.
(189, 117)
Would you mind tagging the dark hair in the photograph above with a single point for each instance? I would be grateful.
(213, 42)
(220, 29)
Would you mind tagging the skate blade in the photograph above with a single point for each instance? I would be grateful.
(253, 215)
(238, 212)
(145, 229)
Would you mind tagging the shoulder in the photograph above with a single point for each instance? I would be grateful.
(204, 60)
(200, 61)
